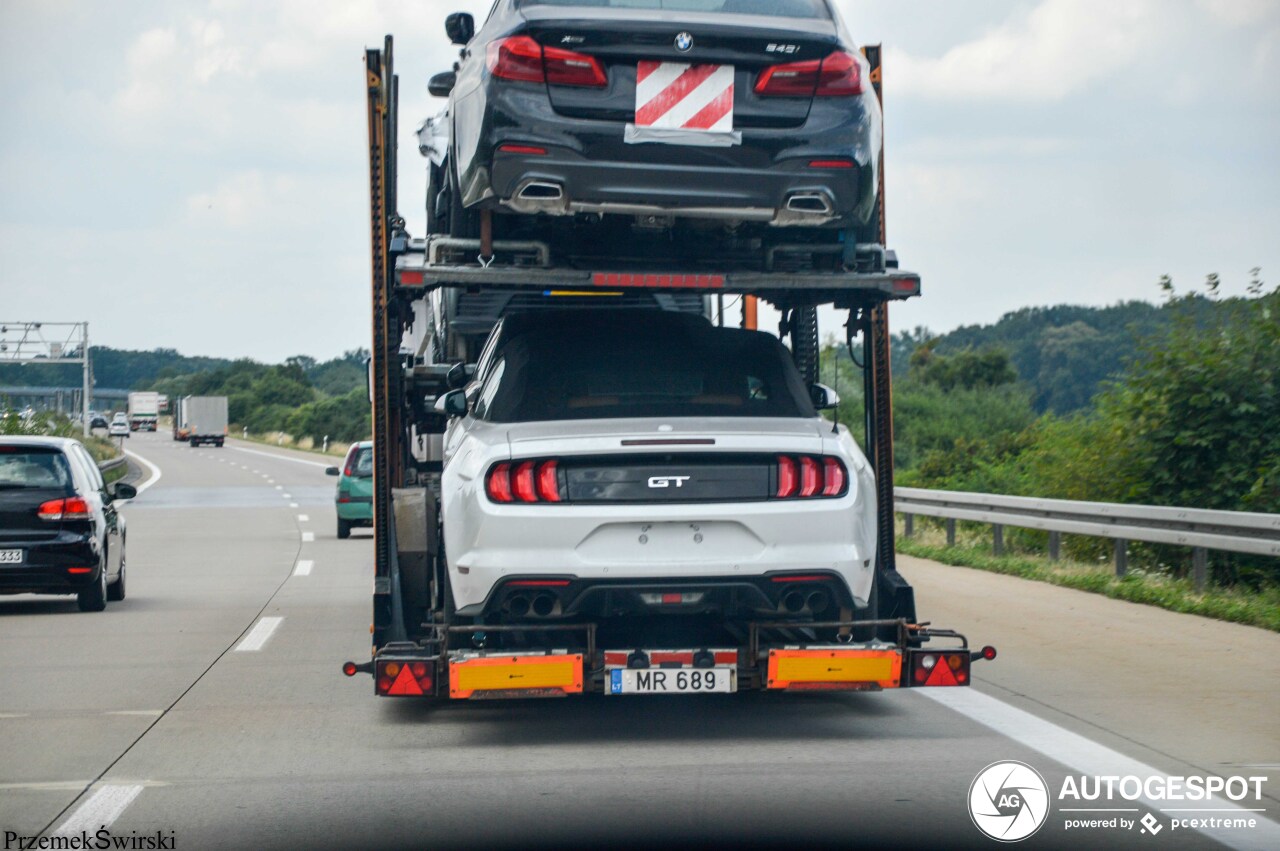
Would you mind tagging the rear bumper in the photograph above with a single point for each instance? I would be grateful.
(355, 511)
(599, 172)
(47, 564)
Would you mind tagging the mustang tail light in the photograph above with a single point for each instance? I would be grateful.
(524, 481)
(71, 508)
(838, 75)
(806, 476)
(522, 59)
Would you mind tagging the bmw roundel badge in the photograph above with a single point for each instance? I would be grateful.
(684, 41)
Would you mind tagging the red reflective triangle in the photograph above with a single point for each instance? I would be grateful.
(940, 675)
(406, 684)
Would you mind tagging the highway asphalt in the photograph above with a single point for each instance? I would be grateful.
(208, 708)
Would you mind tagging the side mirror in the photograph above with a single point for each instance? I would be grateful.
(460, 27)
(823, 396)
(441, 84)
(459, 374)
(122, 490)
(453, 403)
(332, 471)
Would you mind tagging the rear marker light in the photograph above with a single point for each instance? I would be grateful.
(815, 577)
(538, 583)
(78, 570)
(510, 148)
(410, 278)
(830, 164)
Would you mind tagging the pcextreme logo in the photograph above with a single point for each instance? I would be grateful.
(1008, 801)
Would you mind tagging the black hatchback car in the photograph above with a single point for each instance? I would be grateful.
(731, 110)
(60, 532)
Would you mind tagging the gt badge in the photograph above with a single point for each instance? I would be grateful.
(666, 481)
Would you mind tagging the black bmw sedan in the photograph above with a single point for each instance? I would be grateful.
(60, 532)
(740, 111)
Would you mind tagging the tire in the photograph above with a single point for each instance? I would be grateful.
(115, 591)
(95, 599)
(344, 529)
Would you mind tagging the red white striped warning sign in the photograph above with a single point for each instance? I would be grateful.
(687, 97)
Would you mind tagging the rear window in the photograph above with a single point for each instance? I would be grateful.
(662, 370)
(362, 465)
(34, 467)
(773, 8)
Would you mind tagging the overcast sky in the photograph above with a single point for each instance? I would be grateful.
(193, 175)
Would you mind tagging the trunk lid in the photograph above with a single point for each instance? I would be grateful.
(18, 518)
(621, 38)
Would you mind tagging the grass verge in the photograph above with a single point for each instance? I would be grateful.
(1254, 608)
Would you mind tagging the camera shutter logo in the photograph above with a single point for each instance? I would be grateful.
(1008, 801)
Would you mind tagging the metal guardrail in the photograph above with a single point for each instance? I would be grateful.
(112, 463)
(1200, 529)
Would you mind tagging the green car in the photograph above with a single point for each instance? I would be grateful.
(354, 500)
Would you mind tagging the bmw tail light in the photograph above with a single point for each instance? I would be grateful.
(518, 58)
(841, 76)
(522, 59)
(807, 476)
(524, 482)
(838, 75)
(567, 68)
(71, 508)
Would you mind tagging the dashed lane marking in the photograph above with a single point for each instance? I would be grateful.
(101, 810)
(308, 536)
(259, 635)
(304, 568)
(303, 518)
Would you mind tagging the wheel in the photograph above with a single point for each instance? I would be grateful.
(344, 528)
(95, 599)
(115, 591)
(463, 223)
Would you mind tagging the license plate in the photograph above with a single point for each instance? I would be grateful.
(10, 556)
(672, 680)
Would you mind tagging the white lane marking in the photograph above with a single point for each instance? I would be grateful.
(155, 471)
(293, 505)
(255, 471)
(259, 635)
(279, 487)
(101, 810)
(1083, 755)
(303, 518)
(271, 481)
(14, 714)
(308, 536)
(304, 568)
(281, 457)
(287, 495)
(151, 712)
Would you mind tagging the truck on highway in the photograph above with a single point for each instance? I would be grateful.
(582, 485)
(200, 420)
(144, 410)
